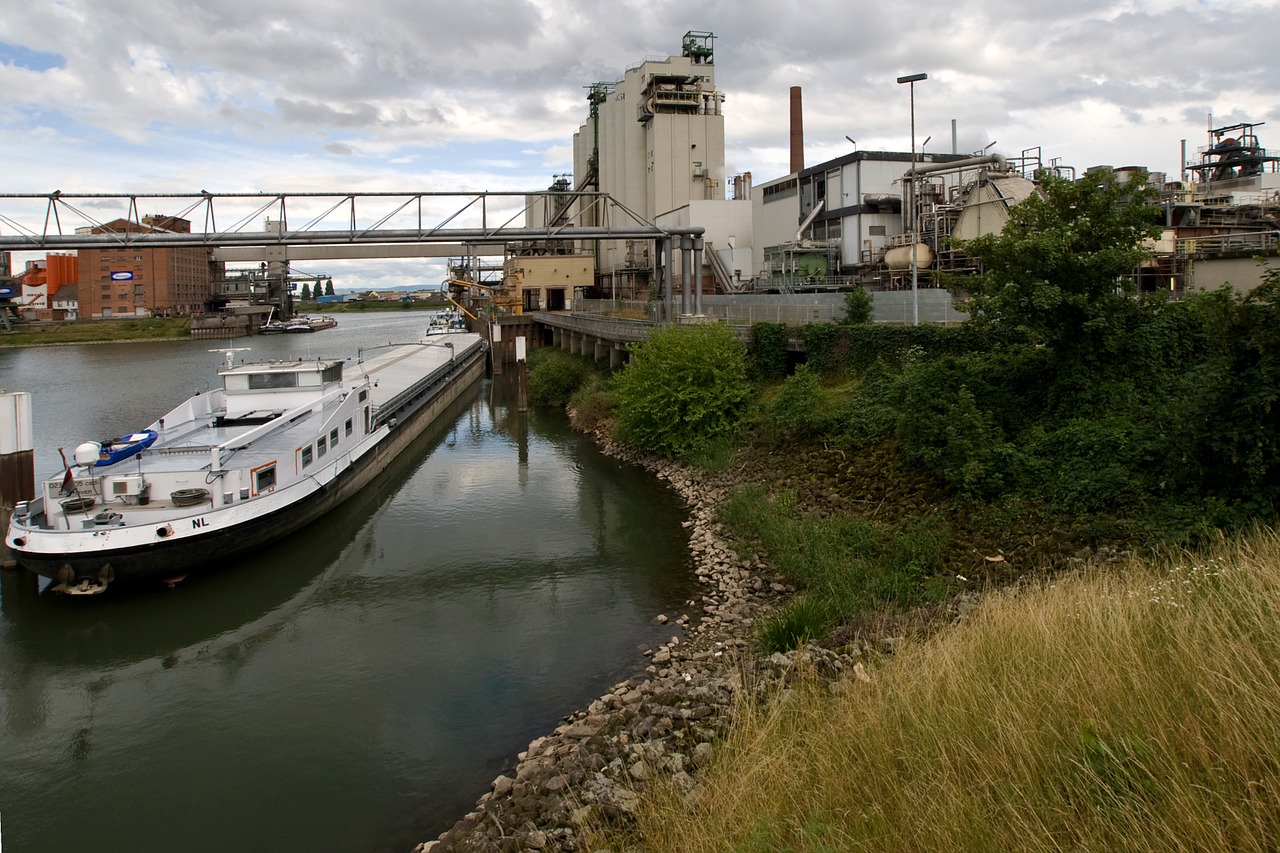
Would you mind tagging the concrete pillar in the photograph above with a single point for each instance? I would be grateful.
(617, 356)
(601, 350)
(668, 251)
(686, 253)
(697, 276)
(17, 459)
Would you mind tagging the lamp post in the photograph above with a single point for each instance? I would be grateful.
(911, 80)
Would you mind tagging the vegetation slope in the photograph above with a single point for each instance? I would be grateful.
(1068, 425)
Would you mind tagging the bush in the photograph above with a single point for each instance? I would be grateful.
(800, 408)
(858, 306)
(685, 388)
(554, 376)
(768, 350)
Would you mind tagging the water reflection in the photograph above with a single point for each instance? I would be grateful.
(356, 686)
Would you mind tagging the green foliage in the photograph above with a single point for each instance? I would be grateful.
(823, 345)
(1060, 267)
(846, 564)
(804, 620)
(768, 350)
(801, 408)
(685, 388)
(554, 376)
(942, 427)
(1225, 429)
(328, 288)
(304, 295)
(591, 404)
(858, 306)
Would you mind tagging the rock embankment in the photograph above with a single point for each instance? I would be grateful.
(663, 723)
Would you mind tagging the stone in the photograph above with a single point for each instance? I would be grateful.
(503, 785)
(640, 771)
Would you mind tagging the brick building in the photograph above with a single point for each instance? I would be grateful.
(133, 281)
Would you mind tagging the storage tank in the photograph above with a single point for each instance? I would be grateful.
(899, 257)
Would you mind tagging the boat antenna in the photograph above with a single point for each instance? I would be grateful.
(229, 353)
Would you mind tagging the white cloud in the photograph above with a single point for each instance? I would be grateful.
(428, 95)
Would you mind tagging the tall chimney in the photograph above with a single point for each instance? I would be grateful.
(797, 131)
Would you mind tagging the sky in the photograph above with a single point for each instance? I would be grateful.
(485, 95)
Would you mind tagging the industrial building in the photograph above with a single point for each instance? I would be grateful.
(134, 281)
(654, 141)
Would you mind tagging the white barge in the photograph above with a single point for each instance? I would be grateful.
(234, 469)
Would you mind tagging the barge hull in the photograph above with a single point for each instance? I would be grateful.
(168, 558)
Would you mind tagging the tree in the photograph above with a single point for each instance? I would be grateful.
(858, 305)
(685, 388)
(328, 287)
(1061, 267)
(305, 295)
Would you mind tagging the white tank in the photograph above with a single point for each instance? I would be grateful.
(899, 257)
(88, 453)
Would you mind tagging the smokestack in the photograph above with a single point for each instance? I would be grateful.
(797, 131)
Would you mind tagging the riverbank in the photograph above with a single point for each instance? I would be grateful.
(663, 723)
(97, 332)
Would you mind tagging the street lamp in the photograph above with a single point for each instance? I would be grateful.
(911, 80)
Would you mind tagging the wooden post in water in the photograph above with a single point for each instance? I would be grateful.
(17, 461)
(522, 397)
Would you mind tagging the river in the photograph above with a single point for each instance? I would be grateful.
(356, 686)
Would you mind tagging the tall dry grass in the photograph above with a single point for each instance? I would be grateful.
(1132, 710)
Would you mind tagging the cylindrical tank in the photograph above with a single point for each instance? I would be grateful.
(899, 257)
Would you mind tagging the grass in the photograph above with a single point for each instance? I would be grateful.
(847, 564)
(93, 331)
(1120, 710)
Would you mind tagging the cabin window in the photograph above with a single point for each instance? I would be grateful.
(272, 380)
(332, 373)
(364, 394)
(349, 427)
(366, 420)
(264, 479)
(333, 436)
(321, 447)
(306, 456)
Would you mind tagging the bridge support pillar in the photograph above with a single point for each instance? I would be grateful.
(697, 276)
(617, 356)
(601, 349)
(686, 251)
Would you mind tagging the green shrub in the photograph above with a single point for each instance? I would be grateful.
(554, 376)
(858, 306)
(592, 404)
(800, 409)
(685, 388)
(768, 350)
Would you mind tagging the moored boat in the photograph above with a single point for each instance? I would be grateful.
(235, 468)
(309, 324)
(446, 322)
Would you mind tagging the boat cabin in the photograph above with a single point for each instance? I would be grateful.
(260, 392)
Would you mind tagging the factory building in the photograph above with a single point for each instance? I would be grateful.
(654, 141)
(135, 281)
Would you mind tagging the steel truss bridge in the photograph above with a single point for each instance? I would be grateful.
(482, 220)
(277, 228)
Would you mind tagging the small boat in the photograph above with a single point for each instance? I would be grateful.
(271, 326)
(446, 322)
(231, 470)
(310, 324)
(111, 452)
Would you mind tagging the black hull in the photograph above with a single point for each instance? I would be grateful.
(168, 559)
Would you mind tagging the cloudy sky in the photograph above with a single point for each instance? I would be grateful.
(426, 95)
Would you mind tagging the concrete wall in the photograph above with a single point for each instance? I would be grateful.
(1243, 274)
